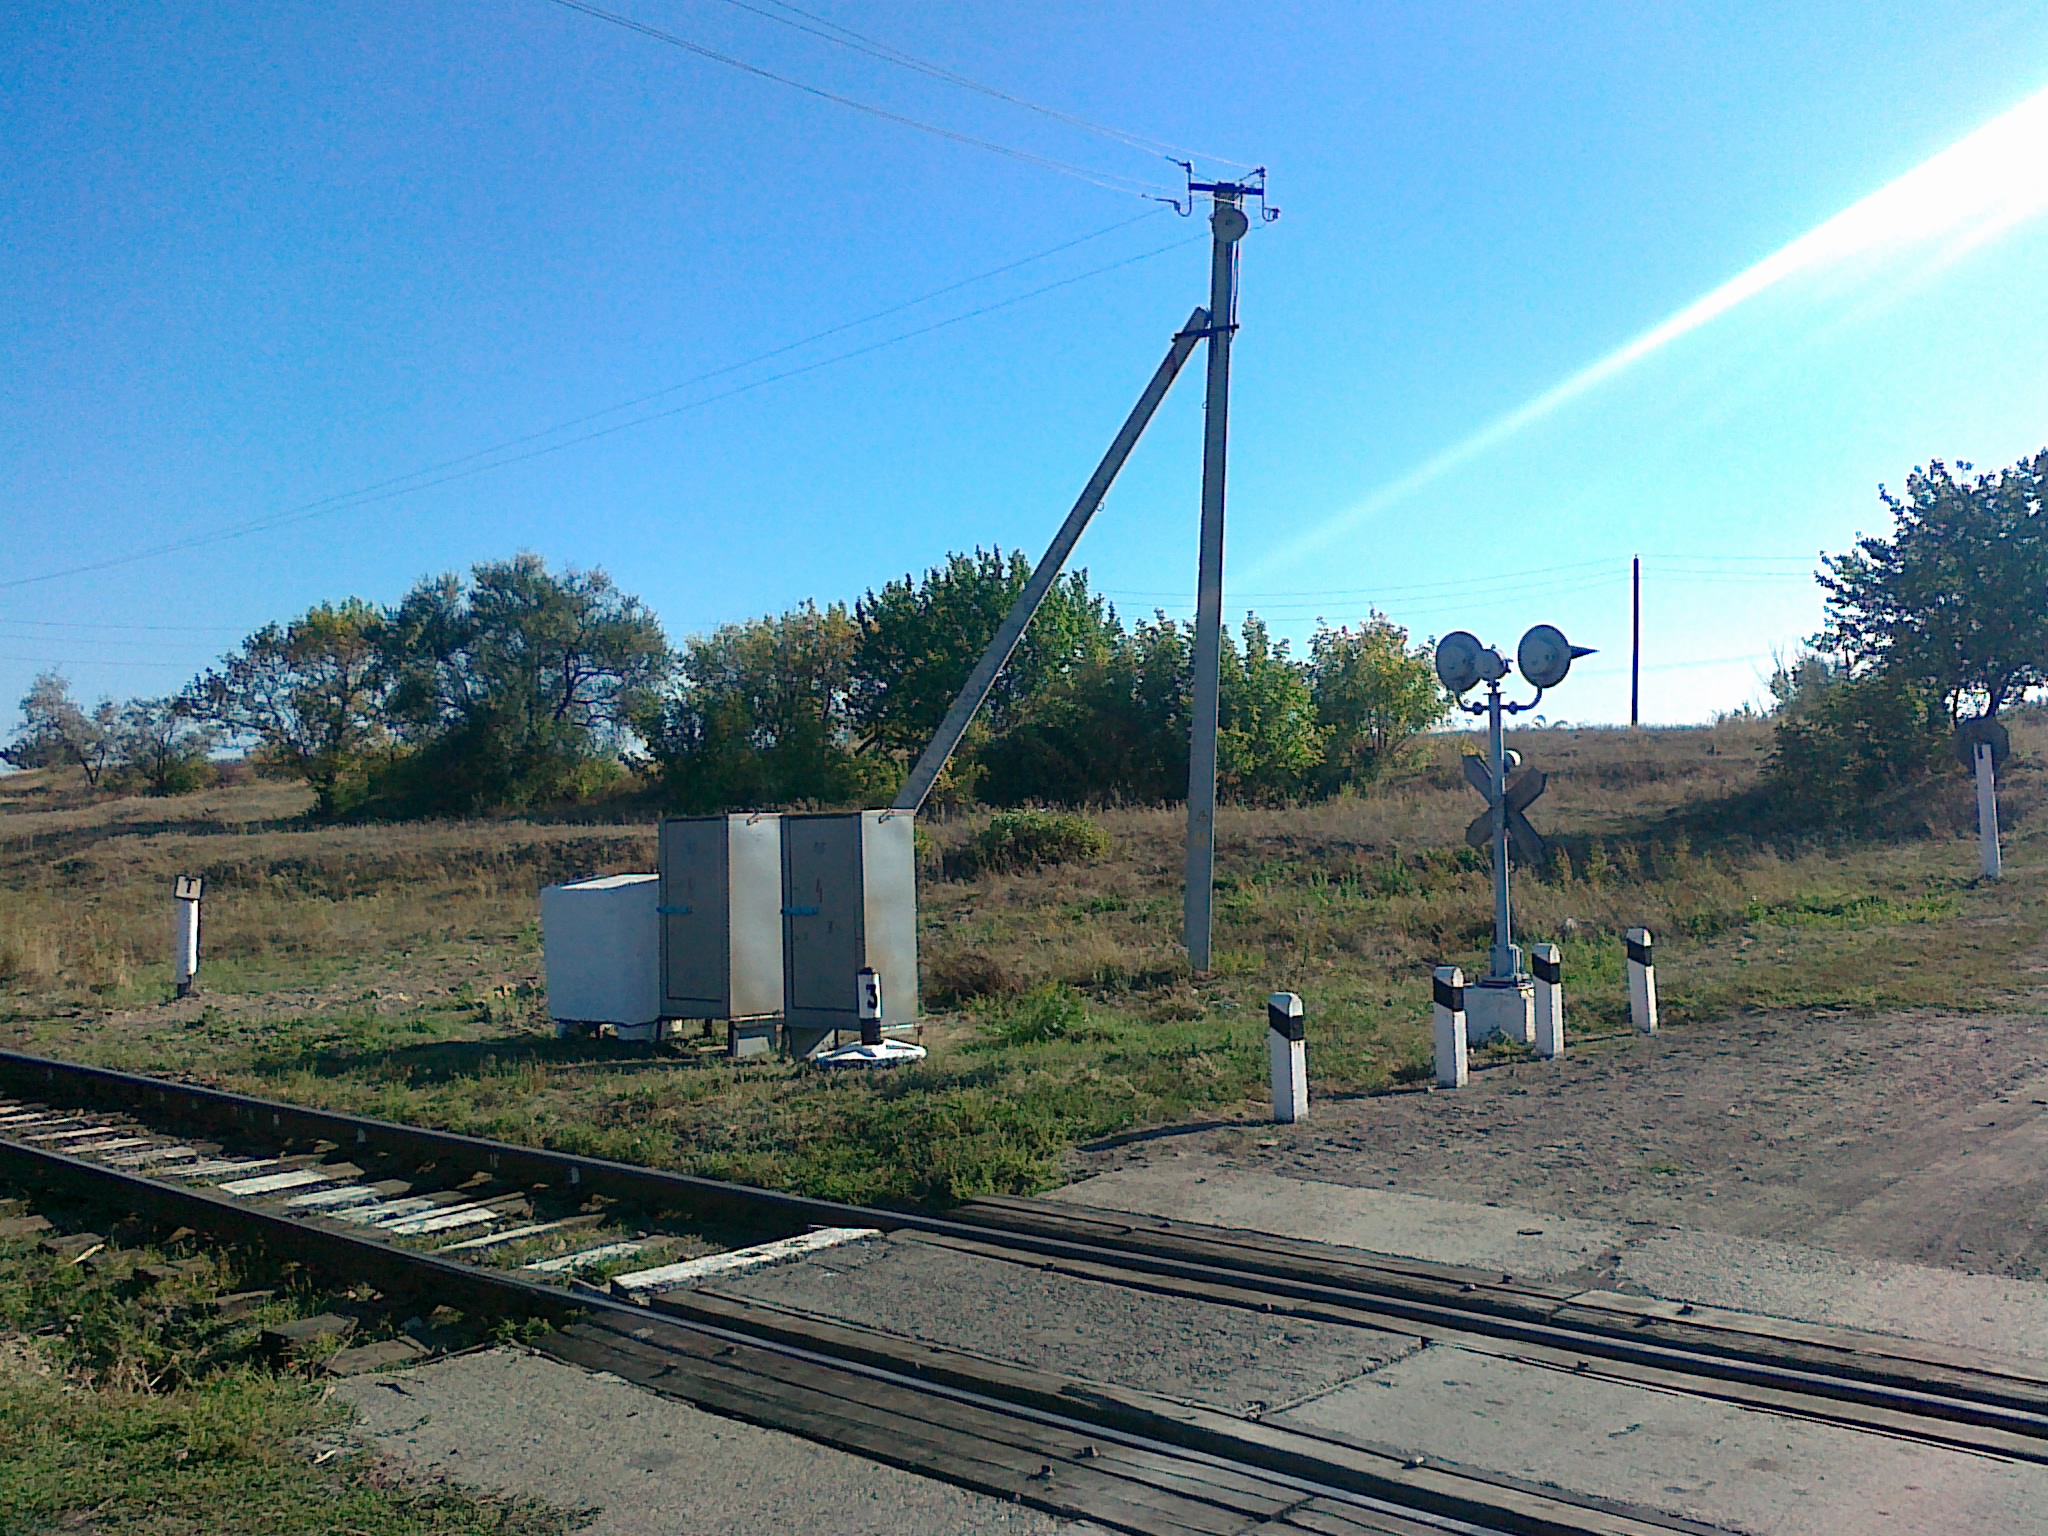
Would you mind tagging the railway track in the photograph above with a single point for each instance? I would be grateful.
(418, 1212)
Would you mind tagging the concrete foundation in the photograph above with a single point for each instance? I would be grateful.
(1501, 1008)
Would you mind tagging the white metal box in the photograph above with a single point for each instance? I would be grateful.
(600, 948)
(849, 900)
(721, 917)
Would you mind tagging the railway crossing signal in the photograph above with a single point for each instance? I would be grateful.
(1462, 661)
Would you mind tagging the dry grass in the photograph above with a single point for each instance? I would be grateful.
(392, 968)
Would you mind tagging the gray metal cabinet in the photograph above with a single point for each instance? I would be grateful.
(849, 900)
(721, 917)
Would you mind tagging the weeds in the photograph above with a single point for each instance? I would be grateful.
(133, 1401)
(1032, 839)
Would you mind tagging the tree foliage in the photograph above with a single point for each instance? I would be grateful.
(57, 730)
(513, 688)
(165, 748)
(763, 717)
(1373, 695)
(1268, 742)
(307, 696)
(917, 641)
(1956, 598)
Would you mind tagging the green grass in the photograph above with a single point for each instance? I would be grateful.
(1065, 1009)
(128, 1408)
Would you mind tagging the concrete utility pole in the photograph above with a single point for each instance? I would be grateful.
(1228, 224)
(976, 689)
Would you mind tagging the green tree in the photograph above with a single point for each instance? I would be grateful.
(762, 718)
(1268, 742)
(57, 730)
(1373, 695)
(165, 747)
(308, 695)
(1116, 728)
(920, 639)
(1957, 597)
(515, 688)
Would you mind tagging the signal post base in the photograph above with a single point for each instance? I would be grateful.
(1501, 1007)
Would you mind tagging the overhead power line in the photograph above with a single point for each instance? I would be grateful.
(1110, 180)
(845, 37)
(356, 501)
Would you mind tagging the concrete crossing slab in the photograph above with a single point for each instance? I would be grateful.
(1761, 1473)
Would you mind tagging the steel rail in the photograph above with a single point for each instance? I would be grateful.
(498, 1293)
(1982, 1405)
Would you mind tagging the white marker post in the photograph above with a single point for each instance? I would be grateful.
(1447, 988)
(1987, 811)
(185, 933)
(1642, 981)
(1287, 1055)
(1546, 964)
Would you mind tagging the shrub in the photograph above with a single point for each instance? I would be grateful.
(1842, 745)
(1033, 839)
(1049, 1011)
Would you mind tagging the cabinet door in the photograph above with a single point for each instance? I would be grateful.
(822, 910)
(693, 917)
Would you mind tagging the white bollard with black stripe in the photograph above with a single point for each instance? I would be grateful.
(1447, 989)
(1642, 980)
(1546, 964)
(1287, 1054)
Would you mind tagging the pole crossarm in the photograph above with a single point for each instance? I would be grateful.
(976, 690)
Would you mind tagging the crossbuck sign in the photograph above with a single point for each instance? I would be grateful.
(1524, 841)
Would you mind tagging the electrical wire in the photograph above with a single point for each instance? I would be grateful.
(1110, 181)
(845, 37)
(311, 512)
(183, 629)
(341, 498)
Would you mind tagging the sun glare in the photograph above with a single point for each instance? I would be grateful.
(1961, 198)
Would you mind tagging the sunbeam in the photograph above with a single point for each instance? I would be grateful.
(1968, 194)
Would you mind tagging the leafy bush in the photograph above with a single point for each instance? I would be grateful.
(1049, 1011)
(1033, 839)
(1842, 744)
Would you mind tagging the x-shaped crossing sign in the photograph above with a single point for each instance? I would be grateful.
(1525, 843)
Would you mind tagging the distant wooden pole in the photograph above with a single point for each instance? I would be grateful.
(1635, 649)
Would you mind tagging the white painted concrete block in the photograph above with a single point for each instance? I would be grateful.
(601, 947)
(1642, 980)
(1447, 989)
(1287, 1057)
(1546, 964)
(1500, 1008)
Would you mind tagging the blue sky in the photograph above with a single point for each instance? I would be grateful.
(259, 257)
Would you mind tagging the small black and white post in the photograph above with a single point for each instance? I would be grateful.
(870, 986)
(1987, 809)
(1447, 990)
(1642, 981)
(1546, 964)
(185, 933)
(1287, 1055)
